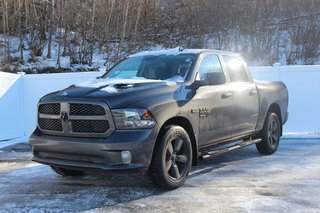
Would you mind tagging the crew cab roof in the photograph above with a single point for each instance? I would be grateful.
(178, 51)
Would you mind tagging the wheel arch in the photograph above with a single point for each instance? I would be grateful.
(186, 125)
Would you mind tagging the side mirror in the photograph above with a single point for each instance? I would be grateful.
(98, 77)
(200, 83)
(211, 78)
(215, 78)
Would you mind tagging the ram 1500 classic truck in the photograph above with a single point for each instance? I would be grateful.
(160, 111)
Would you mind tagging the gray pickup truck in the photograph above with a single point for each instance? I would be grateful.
(159, 111)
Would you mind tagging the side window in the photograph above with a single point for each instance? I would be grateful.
(236, 69)
(209, 64)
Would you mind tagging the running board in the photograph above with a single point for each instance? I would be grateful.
(216, 152)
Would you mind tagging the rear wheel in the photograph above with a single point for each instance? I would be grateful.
(270, 135)
(66, 172)
(172, 157)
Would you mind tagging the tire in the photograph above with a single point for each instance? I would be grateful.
(270, 135)
(172, 158)
(66, 172)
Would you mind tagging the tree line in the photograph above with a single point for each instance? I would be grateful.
(265, 31)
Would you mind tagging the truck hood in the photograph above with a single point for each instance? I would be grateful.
(117, 93)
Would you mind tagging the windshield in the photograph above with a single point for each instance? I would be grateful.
(162, 67)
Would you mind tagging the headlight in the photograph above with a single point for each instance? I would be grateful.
(133, 118)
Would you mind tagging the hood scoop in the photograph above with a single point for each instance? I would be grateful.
(123, 86)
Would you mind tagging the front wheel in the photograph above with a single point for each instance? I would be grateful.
(66, 172)
(172, 157)
(270, 135)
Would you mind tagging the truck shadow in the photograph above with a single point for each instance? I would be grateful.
(211, 164)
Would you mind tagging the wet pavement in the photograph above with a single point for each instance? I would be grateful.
(239, 181)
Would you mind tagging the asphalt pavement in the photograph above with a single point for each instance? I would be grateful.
(239, 181)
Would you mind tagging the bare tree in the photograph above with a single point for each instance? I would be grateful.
(137, 21)
(261, 30)
(50, 25)
(124, 26)
(21, 34)
(6, 29)
(66, 27)
(92, 41)
(60, 32)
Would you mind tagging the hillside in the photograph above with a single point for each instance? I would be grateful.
(61, 36)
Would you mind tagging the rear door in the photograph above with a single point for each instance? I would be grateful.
(244, 95)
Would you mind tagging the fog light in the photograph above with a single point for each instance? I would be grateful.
(126, 157)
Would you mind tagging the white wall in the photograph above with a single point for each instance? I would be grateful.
(35, 86)
(10, 106)
(303, 84)
(19, 95)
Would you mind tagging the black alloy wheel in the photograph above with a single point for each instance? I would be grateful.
(176, 159)
(172, 158)
(270, 135)
(273, 132)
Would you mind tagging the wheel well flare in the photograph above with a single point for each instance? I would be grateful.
(184, 123)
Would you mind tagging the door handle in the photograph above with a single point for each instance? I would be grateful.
(253, 92)
(226, 95)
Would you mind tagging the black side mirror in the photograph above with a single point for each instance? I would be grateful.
(215, 78)
(200, 83)
(211, 78)
(98, 77)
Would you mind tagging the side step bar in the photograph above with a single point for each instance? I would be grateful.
(218, 151)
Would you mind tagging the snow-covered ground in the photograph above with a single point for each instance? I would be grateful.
(239, 181)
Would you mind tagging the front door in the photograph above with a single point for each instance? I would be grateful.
(215, 104)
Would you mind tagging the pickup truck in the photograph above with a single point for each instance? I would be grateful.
(160, 112)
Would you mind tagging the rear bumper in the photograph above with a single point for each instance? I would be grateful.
(92, 154)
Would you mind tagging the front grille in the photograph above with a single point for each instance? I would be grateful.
(50, 124)
(75, 119)
(86, 109)
(52, 109)
(90, 126)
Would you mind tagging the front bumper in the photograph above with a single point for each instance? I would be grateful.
(95, 153)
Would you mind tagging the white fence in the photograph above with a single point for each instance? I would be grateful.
(303, 83)
(19, 95)
(11, 108)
